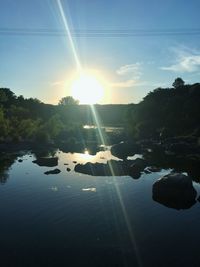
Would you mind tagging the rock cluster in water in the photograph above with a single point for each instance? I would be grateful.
(113, 168)
(48, 162)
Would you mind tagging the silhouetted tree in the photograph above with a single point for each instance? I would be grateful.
(178, 83)
(7, 97)
(68, 100)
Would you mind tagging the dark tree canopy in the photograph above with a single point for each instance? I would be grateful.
(6, 96)
(167, 111)
(68, 100)
(178, 83)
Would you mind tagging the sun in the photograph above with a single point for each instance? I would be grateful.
(87, 88)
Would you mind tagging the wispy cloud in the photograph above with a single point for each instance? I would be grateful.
(56, 83)
(124, 84)
(186, 61)
(131, 75)
(131, 69)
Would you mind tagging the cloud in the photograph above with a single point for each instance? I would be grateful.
(57, 83)
(124, 84)
(133, 69)
(128, 84)
(132, 74)
(187, 61)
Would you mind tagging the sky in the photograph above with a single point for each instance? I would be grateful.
(41, 66)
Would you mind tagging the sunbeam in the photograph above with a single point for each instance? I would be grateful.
(69, 35)
(102, 137)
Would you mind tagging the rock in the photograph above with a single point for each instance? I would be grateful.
(147, 171)
(124, 149)
(55, 171)
(137, 167)
(20, 160)
(68, 169)
(175, 190)
(95, 169)
(136, 175)
(48, 162)
(74, 161)
(66, 163)
(153, 169)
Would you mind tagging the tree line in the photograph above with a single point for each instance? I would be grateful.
(164, 112)
(167, 112)
(29, 119)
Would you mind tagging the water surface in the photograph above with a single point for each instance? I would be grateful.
(71, 219)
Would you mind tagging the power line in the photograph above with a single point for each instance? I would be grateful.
(113, 33)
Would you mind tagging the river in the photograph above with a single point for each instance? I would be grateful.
(72, 219)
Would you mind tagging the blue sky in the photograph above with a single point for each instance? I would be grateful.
(40, 66)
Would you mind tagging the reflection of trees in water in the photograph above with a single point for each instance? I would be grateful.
(44, 153)
(3, 176)
(6, 161)
(182, 163)
(80, 147)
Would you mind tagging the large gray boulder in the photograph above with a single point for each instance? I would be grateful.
(175, 190)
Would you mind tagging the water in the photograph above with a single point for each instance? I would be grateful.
(71, 219)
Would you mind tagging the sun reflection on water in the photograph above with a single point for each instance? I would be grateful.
(86, 152)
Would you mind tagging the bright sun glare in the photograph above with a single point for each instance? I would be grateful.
(87, 89)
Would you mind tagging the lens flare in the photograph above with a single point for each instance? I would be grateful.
(102, 136)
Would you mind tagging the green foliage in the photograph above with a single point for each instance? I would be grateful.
(28, 128)
(6, 96)
(53, 126)
(4, 125)
(42, 137)
(29, 119)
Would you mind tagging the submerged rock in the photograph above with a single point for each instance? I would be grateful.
(48, 162)
(68, 169)
(175, 190)
(55, 171)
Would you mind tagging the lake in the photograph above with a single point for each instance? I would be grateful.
(72, 219)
